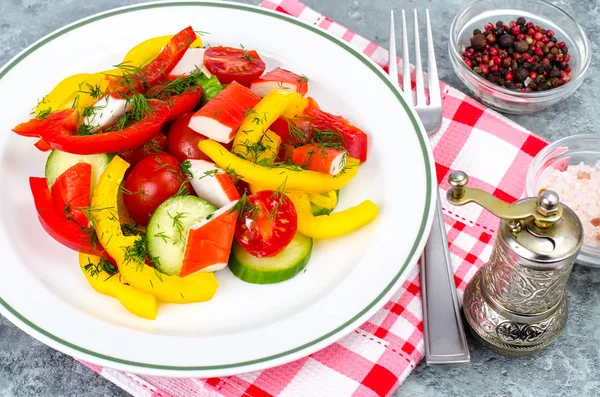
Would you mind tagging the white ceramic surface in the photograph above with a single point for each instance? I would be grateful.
(245, 327)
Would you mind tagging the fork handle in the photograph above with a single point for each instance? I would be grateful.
(445, 341)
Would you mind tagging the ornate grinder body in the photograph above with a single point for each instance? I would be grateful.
(516, 303)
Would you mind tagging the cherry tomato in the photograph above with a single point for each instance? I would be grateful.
(182, 141)
(150, 183)
(158, 144)
(234, 64)
(267, 224)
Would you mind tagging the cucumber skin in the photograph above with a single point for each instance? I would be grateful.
(246, 274)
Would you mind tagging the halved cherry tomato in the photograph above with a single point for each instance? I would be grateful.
(150, 183)
(267, 225)
(71, 193)
(158, 144)
(234, 64)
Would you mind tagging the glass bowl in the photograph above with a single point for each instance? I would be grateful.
(571, 150)
(477, 14)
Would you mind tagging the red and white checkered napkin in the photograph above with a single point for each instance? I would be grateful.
(377, 357)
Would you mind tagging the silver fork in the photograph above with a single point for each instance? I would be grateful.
(445, 341)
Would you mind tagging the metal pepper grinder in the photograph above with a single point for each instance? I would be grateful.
(516, 303)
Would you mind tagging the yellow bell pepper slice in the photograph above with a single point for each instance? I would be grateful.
(296, 108)
(149, 49)
(60, 93)
(197, 287)
(273, 178)
(332, 225)
(262, 116)
(271, 142)
(137, 302)
(325, 200)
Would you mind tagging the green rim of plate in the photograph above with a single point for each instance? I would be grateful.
(303, 25)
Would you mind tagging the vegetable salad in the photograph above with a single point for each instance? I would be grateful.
(185, 160)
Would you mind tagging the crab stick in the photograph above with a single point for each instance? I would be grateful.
(209, 242)
(212, 183)
(321, 159)
(106, 111)
(192, 59)
(221, 117)
(279, 78)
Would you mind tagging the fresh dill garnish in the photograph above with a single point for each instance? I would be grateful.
(44, 113)
(245, 208)
(67, 209)
(155, 261)
(279, 196)
(129, 230)
(75, 103)
(94, 270)
(249, 58)
(209, 217)
(209, 173)
(303, 79)
(183, 189)
(253, 150)
(232, 174)
(185, 168)
(249, 112)
(162, 236)
(95, 91)
(328, 139)
(139, 108)
(177, 224)
(201, 33)
(136, 253)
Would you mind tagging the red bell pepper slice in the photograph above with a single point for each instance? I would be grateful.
(158, 69)
(354, 139)
(65, 231)
(183, 103)
(71, 192)
(59, 136)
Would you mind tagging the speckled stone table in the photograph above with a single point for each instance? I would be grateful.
(570, 367)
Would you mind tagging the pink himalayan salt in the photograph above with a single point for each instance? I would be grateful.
(579, 188)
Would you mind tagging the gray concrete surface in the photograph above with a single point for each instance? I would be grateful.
(570, 367)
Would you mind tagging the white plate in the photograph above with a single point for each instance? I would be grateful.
(245, 327)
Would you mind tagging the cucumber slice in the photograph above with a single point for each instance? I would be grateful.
(328, 196)
(58, 162)
(167, 230)
(274, 269)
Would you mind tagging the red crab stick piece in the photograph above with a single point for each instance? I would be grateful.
(209, 242)
(192, 60)
(321, 159)
(220, 118)
(279, 78)
(212, 184)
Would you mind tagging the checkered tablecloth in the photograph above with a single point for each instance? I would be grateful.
(375, 359)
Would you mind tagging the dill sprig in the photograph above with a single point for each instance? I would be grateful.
(178, 224)
(245, 208)
(209, 173)
(44, 113)
(94, 270)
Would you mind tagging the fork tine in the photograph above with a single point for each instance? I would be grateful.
(392, 61)
(405, 60)
(435, 97)
(421, 101)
